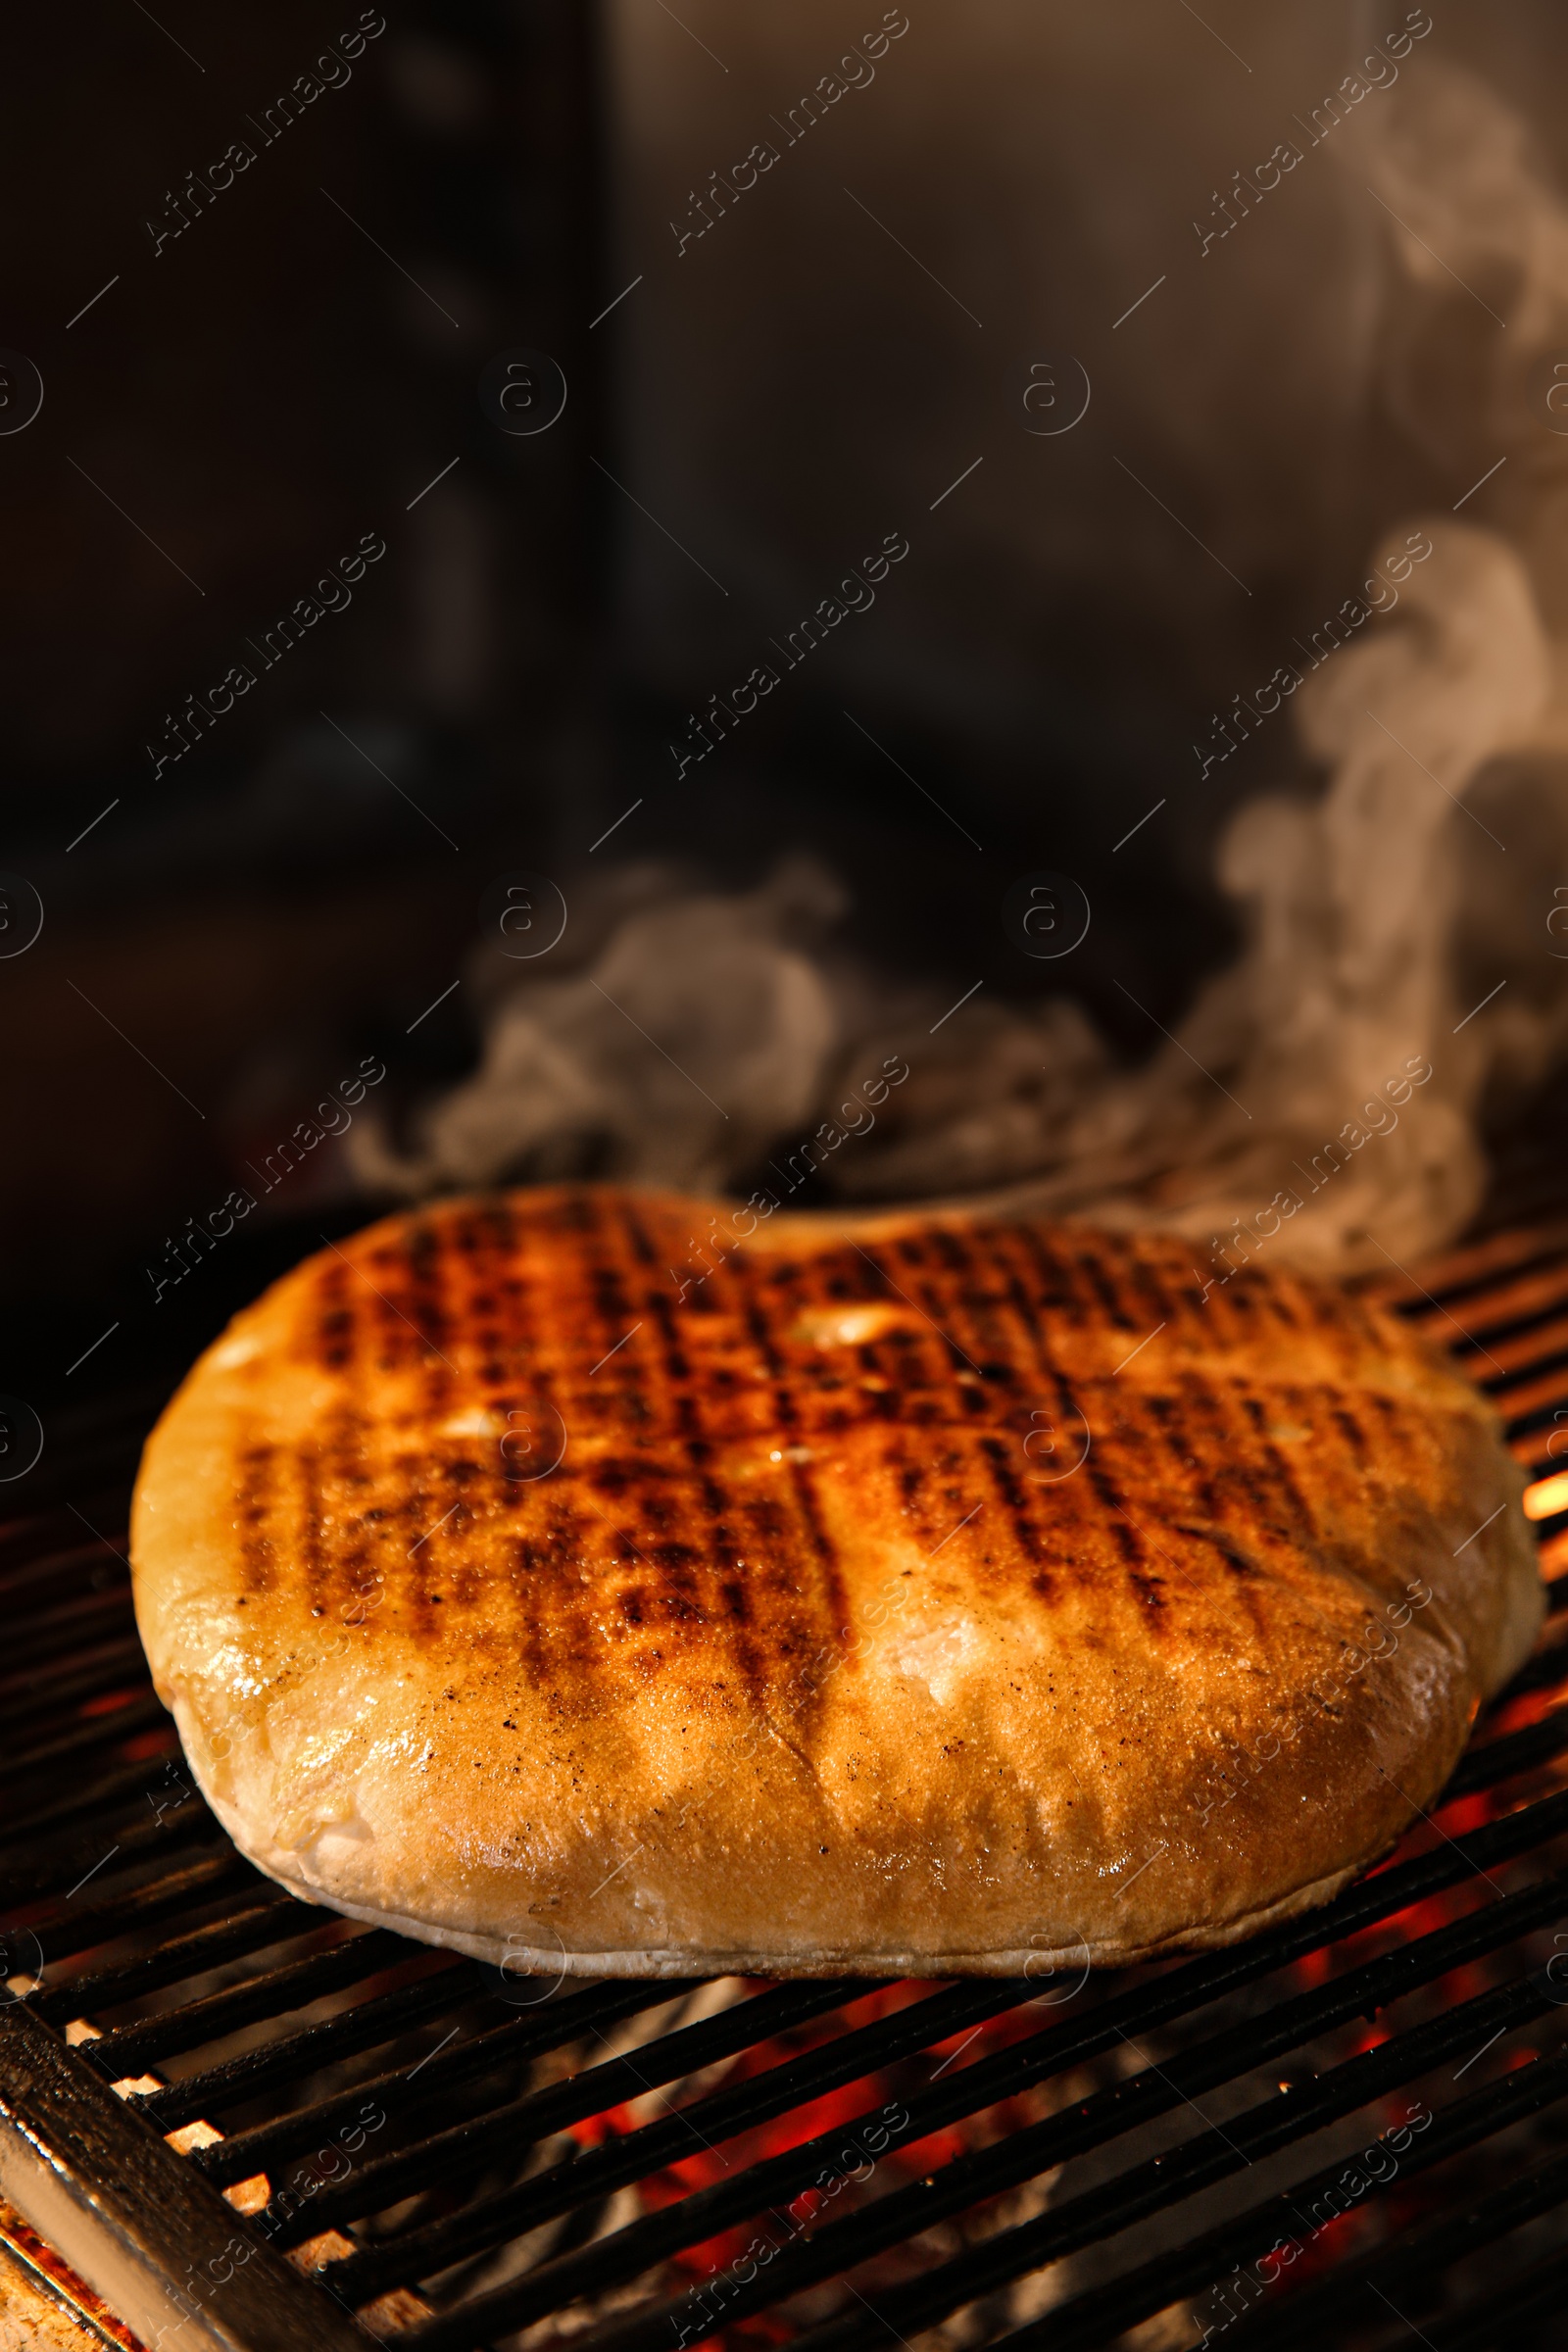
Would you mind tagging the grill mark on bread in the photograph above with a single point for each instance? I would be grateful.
(933, 1309)
(690, 1570)
(1164, 1295)
(690, 1589)
(480, 1304)
(1107, 1292)
(682, 1594)
(1248, 1575)
(257, 1488)
(1278, 1480)
(308, 1531)
(1066, 1399)
(1061, 1295)
(1257, 1474)
(988, 1319)
(1219, 1443)
(1173, 1435)
(830, 1600)
(1014, 1499)
(1396, 1450)
(1143, 1581)
(1283, 1304)
(336, 1328)
(983, 1303)
(931, 1363)
(495, 1268)
(1007, 1338)
(1350, 1430)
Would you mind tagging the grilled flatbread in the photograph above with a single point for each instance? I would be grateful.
(917, 1596)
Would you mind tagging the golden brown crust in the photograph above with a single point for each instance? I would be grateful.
(932, 1596)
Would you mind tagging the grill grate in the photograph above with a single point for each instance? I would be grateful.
(461, 2161)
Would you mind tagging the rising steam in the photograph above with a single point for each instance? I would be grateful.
(699, 1034)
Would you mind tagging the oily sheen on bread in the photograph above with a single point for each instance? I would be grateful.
(928, 1595)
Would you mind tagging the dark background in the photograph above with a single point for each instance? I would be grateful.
(241, 406)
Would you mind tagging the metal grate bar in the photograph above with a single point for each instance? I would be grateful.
(144, 1714)
(1131, 2196)
(53, 1528)
(52, 1633)
(1524, 1297)
(1168, 1999)
(1536, 1423)
(179, 1958)
(1141, 2009)
(671, 2058)
(26, 1540)
(57, 1573)
(43, 1583)
(305, 2052)
(629, 2251)
(86, 1674)
(1087, 2322)
(43, 1868)
(550, 2025)
(65, 1931)
(595, 2090)
(1539, 1382)
(1544, 1672)
(114, 1789)
(1516, 1341)
(43, 1611)
(523, 2123)
(1311, 2314)
(1497, 1760)
(719, 2116)
(1498, 2319)
(1523, 1400)
(97, 1467)
(1530, 1449)
(1479, 1266)
(37, 1650)
(132, 2049)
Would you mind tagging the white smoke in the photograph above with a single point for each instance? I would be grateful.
(700, 1033)
(696, 1036)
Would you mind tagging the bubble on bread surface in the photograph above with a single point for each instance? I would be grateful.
(850, 1326)
(475, 1421)
(1386, 928)
(937, 1655)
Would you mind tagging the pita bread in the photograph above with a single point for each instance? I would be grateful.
(924, 1595)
